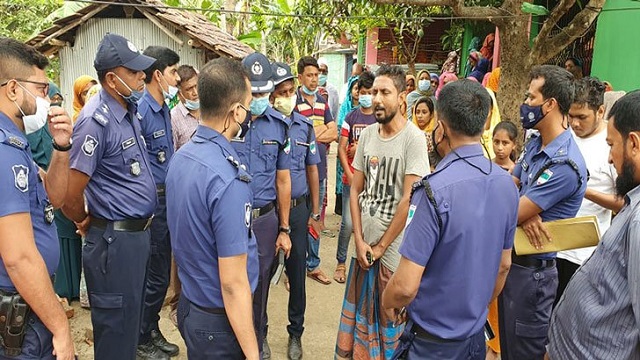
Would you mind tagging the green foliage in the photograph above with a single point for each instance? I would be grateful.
(21, 19)
(452, 38)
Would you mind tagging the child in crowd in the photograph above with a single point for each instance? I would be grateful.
(504, 144)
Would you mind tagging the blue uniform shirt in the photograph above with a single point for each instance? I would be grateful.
(479, 215)
(109, 148)
(158, 136)
(559, 190)
(209, 215)
(304, 152)
(264, 149)
(23, 192)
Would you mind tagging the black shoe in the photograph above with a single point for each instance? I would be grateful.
(161, 343)
(294, 349)
(266, 350)
(149, 351)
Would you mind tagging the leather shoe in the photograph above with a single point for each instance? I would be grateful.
(266, 350)
(149, 351)
(294, 348)
(161, 343)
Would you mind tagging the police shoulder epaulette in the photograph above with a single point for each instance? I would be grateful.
(101, 115)
(281, 117)
(242, 169)
(304, 119)
(12, 140)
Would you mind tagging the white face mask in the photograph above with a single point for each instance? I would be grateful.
(33, 123)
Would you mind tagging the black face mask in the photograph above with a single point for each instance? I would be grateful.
(435, 155)
(244, 129)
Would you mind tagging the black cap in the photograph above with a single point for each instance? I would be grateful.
(281, 72)
(115, 50)
(259, 69)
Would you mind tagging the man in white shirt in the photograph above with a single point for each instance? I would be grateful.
(589, 130)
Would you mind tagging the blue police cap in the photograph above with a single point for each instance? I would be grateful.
(115, 50)
(281, 72)
(259, 69)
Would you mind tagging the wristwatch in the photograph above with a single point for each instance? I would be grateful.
(62, 148)
(286, 230)
(315, 217)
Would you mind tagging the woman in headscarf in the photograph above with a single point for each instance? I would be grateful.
(481, 69)
(424, 89)
(493, 120)
(487, 47)
(451, 64)
(349, 103)
(80, 88)
(410, 80)
(493, 82)
(445, 78)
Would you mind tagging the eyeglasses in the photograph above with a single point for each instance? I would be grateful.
(243, 107)
(44, 86)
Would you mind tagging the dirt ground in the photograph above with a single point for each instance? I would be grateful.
(324, 303)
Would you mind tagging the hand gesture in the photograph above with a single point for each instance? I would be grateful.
(60, 125)
(535, 229)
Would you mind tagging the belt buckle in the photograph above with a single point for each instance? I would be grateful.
(255, 213)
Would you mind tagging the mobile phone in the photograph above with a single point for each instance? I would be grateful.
(370, 257)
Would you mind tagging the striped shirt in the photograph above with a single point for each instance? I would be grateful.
(184, 125)
(598, 317)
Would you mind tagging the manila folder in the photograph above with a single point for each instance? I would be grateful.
(566, 234)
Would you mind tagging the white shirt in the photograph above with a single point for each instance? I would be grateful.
(602, 178)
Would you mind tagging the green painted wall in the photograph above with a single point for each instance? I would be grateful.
(616, 55)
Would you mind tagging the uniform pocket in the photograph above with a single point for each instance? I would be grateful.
(529, 330)
(107, 312)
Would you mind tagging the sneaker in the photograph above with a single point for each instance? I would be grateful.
(149, 351)
(266, 350)
(161, 343)
(294, 348)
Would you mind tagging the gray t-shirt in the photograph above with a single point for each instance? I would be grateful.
(385, 162)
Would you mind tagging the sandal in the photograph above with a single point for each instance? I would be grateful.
(339, 275)
(319, 276)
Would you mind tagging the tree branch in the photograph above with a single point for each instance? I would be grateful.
(550, 47)
(551, 22)
(471, 12)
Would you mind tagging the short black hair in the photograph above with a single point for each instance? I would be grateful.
(307, 61)
(221, 83)
(464, 105)
(509, 127)
(186, 73)
(366, 80)
(18, 59)
(625, 113)
(558, 84)
(164, 56)
(424, 100)
(589, 91)
(577, 62)
(396, 74)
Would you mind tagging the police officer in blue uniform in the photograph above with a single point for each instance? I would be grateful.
(266, 151)
(552, 176)
(465, 266)
(304, 197)
(109, 165)
(34, 325)
(161, 79)
(209, 214)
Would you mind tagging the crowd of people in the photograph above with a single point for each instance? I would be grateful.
(207, 180)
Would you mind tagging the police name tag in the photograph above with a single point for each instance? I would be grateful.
(269, 142)
(298, 142)
(159, 133)
(128, 143)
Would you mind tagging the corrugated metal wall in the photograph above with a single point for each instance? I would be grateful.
(78, 60)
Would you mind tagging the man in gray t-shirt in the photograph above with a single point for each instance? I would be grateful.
(390, 157)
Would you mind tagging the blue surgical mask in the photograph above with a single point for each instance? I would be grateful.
(133, 97)
(259, 105)
(191, 104)
(309, 92)
(424, 85)
(322, 79)
(366, 101)
(530, 116)
(171, 92)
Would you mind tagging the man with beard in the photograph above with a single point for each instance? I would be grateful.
(390, 157)
(598, 316)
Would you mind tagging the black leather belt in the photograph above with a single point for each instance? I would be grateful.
(215, 311)
(531, 262)
(160, 190)
(423, 334)
(130, 225)
(263, 210)
(299, 201)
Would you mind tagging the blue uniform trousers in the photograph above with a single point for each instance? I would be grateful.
(115, 267)
(37, 343)
(525, 310)
(207, 335)
(416, 347)
(265, 229)
(295, 265)
(158, 272)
